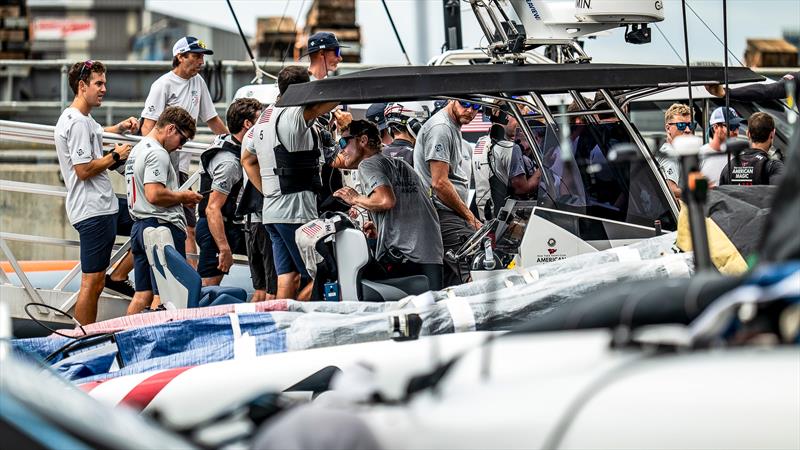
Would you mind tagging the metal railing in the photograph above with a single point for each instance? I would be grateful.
(28, 132)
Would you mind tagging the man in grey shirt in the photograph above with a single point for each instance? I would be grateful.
(218, 234)
(153, 196)
(409, 238)
(92, 206)
(439, 162)
(283, 162)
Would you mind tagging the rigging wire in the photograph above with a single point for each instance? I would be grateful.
(396, 34)
(669, 43)
(712, 32)
(288, 49)
(688, 61)
(280, 22)
(727, 110)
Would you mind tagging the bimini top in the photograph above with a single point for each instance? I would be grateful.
(427, 82)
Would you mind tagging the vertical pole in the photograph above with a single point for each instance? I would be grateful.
(64, 86)
(727, 95)
(688, 63)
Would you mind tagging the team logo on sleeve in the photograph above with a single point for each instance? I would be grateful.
(151, 108)
(439, 149)
(80, 152)
(156, 172)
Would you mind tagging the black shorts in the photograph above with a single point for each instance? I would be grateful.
(189, 213)
(97, 236)
(143, 275)
(208, 258)
(259, 255)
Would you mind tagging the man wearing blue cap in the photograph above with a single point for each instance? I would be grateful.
(324, 54)
(183, 86)
(714, 159)
(375, 114)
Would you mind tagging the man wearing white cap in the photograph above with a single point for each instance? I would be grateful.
(184, 87)
(714, 159)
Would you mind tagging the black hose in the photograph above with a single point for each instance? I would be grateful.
(53, 308)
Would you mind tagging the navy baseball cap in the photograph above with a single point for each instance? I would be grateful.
(190, 44)
(718, 116)
(375, 114)
(323, 40)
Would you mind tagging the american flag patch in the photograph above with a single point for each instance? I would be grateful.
(264, 118)
(480, 146)
(312, 229)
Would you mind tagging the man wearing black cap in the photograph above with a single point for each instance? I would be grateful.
(324, 53)
(183, 86)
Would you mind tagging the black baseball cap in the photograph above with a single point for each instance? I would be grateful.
(323, 40)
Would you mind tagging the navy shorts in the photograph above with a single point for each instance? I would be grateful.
(208, 259)
(284, 249)
(97, 236)
(143, 275)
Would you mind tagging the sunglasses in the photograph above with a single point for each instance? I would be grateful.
(184, 138)
(475, 106)
(87, 65)
(344, 139)
(682, 126)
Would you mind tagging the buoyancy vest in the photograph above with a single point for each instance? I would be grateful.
(749, 169)
(223, 143)
(400, 148)
(284, 171)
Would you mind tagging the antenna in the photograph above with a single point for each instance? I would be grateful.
(259, 72)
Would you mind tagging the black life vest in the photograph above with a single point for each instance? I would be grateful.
(748, 169)
(297, 171)
(224, 143)
(498, 190)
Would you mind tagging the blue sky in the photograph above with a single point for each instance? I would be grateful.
(746, 19)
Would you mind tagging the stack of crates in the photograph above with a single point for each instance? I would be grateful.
(338, 17)
(275, 38)
(14, 38)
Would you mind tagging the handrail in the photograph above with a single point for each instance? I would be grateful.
(44, 134)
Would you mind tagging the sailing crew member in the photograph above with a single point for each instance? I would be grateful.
(754, 166)
(443, 167)
(760, 92)
(403, 128)
(219, 235)
(324, 54)
(92, 207)
(499, 167)
(259, 245)
(714, 159)
(677, 122)
(283, 162)
(183, 86)
(153, 196)
(409, 239)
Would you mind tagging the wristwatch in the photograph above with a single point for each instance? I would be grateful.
(115, 155)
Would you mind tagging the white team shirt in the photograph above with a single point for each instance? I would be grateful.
(79, 140)
(149, 163)
(191, 95)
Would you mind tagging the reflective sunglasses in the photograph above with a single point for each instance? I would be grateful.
(184, 138)
(475, 106)
(343, 140)
(87, 65)
(682, 126)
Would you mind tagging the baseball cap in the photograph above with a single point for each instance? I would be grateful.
(718, 116)
(190, 44)
(375, 114)
(321, 41)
